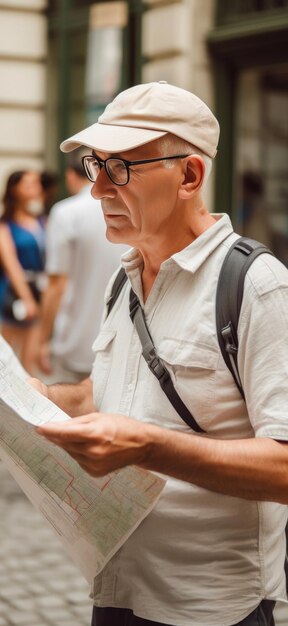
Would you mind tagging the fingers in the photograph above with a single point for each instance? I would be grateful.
(95, 462)
(38, 385)
(91, 457)
(99, 442)
(76, 430)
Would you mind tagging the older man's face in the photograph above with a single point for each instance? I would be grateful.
(145, 209)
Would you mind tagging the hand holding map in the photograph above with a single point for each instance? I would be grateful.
(92, 516)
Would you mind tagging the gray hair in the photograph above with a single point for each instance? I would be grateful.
(170, 144)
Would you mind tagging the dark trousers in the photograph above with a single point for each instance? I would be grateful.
(262, 616)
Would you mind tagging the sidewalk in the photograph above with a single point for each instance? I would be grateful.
(39, 585)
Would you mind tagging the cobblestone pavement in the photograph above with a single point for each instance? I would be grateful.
(39, 585)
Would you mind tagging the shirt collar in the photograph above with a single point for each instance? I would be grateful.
(191, 257)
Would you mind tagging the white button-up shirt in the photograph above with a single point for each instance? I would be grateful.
(200, 557)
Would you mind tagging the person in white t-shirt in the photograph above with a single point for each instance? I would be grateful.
(211, 552)
(79, 263)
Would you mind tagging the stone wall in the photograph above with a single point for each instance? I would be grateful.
(23, 52)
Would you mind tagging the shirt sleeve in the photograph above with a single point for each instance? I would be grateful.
(59, 242)
(263, 348)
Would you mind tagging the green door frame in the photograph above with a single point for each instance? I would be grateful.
(249, 43)
(64, 21)
(69, 18)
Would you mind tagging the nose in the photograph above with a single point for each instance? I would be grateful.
(103, 187)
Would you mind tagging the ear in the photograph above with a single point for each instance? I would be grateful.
(193, 175)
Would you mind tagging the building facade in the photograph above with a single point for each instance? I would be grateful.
(23, 80)
(248, 45)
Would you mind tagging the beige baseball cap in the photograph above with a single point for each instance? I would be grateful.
(147, 112)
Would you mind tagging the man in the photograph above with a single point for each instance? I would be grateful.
(212, 550)
(50, 185)
(72, 305)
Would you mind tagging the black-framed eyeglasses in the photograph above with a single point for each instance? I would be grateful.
(117, 169)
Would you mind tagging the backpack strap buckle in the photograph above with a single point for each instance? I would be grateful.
(229, 339)
(155, 364)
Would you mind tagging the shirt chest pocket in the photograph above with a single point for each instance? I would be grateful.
(103, 350)
(192, 366)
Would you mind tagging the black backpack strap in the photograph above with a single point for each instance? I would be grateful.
(229, 298)
(156, 364)
(151, 357)
(117, 287)
(228, 305)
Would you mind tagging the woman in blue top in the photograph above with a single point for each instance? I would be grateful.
(22, 248)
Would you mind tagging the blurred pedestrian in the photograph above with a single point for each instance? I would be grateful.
(22, 251)
(50, 186)
(80, 262)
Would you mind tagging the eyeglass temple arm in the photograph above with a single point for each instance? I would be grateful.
(176, 156)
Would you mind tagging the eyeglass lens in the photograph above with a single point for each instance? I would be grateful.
(115, 168)
(117, 171)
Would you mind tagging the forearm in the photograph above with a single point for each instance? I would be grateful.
(18, 281)
(254, 469)
(49, 306)
(73, 399)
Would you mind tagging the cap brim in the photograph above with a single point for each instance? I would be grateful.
(108, 138)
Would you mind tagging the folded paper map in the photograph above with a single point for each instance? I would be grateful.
(92, 516)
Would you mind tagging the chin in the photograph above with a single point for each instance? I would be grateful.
(115, 236)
